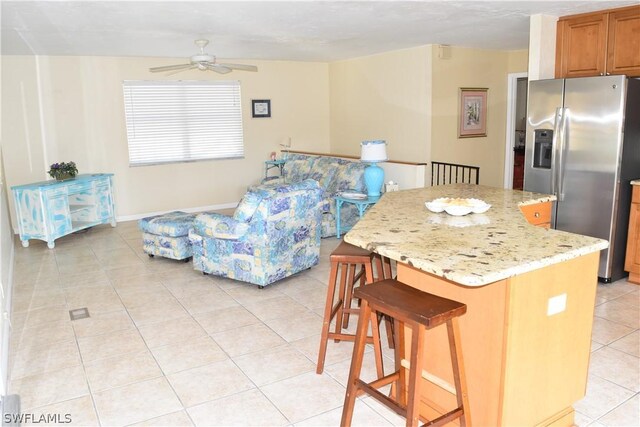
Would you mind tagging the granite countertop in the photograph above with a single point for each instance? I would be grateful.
(635, 182)
(473, 250)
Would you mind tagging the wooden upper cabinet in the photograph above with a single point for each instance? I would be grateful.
(581, 46)
(623, 43)
(599, 43)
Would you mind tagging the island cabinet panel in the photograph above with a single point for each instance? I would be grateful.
(599, 43)
(538, 214)
(547, 353)
(524, 366)
(632, 258)
(482, 333)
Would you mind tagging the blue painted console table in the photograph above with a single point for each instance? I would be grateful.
(270, 164)
(48, 210)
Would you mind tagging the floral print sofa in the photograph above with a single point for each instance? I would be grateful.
(334, 174)
(274, 233)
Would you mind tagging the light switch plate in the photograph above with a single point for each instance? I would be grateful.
(557, 304)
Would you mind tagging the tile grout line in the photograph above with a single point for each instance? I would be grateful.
(228, 291)
(616, 407)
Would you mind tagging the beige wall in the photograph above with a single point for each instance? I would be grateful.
(71, 108)
(472, 68)
(542, 46)
(385, 96)
(517, 61)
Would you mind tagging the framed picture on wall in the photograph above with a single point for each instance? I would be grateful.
(473, 112)
(260, 108)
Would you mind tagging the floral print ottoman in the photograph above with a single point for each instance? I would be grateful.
(167, 235)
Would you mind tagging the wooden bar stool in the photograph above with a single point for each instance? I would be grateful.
(346, 259)
(420, 311)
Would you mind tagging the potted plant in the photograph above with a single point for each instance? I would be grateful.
(62, 171)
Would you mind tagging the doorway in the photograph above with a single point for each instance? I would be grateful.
(516, 130)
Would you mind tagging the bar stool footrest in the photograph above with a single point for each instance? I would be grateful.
(363, 387)
(346, 337)
(445, 418)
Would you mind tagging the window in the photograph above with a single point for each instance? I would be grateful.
(182, 121)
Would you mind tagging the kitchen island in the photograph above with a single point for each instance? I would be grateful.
(530, 295)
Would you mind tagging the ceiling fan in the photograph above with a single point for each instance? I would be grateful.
(203, 61)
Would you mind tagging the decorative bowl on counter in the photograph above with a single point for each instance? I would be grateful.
(457, 210)
(457, 206)
(437, 205)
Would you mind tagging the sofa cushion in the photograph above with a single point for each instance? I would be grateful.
(171, 224)
(306, 184)
(247, 206)
(324, 171)
(297, 169)
(350, 177)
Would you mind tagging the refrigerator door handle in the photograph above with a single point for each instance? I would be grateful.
(561, 158)
(554, 144)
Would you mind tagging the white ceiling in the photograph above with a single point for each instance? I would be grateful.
(279, 30)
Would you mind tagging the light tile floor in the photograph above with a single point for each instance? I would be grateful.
(167, 346)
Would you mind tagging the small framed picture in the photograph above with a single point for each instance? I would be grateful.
(261, 108)
(473, 112)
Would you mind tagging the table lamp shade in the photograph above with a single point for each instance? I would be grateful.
(373, 152)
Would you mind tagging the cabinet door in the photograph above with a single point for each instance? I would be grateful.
(538, 214)
(104, 202)
(58, 216)
(623, 50)
(581, 48)
(632, 258)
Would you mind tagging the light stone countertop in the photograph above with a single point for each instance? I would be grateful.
(635, 182)
(473, 250)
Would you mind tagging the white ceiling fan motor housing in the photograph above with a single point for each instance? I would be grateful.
(202, 58)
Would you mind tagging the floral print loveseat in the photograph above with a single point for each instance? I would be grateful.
(274, 233)
(334, 174)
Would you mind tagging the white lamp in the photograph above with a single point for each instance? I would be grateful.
(373, 152)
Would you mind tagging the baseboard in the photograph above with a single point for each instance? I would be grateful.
(122, 218)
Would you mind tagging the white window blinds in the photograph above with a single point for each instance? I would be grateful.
(178, 121)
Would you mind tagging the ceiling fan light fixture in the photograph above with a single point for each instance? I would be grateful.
(203, 58)
(203, 61)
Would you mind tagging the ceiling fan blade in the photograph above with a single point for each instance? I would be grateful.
(218, 68)
(182, 69)
(170, 68)
(240, 67)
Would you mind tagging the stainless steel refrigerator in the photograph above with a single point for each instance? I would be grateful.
(583, 145)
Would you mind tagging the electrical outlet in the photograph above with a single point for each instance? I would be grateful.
(557, 304)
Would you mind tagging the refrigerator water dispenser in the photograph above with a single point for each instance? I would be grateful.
(542, 148)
